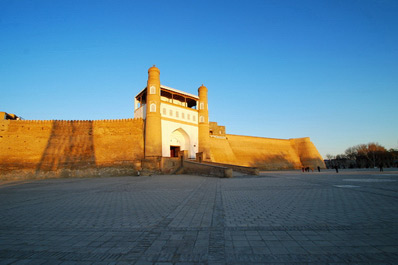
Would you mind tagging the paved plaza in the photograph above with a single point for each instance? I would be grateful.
(275, 218)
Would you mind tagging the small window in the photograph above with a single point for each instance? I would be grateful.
(202, 119)
(188, 116)
(164, 111)
(194, 118)
(177, 114)
(183, 115)
(152, 90)
(153, 107)
(202, 105)
(171, 112)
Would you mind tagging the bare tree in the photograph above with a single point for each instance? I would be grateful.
(371, 152)
(351, 153)
(329, 156)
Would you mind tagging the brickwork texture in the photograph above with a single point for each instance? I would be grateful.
(266, 153)
(66, 146)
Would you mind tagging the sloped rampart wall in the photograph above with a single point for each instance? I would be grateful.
(265, 153)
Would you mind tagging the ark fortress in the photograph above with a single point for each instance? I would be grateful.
(175, 120)
(167, 123)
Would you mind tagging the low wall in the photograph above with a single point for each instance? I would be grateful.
(170, 165)
(242, 169)
(113, 171)
(190, 167)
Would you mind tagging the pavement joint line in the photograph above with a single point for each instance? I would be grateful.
(198, 220)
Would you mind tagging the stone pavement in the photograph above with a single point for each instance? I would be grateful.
(274, 218)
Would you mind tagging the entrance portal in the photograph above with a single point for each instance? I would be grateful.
(174, 151)
(179, 141)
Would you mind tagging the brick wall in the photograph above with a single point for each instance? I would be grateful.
(80, 146)
(309, 155)
(50, 146)
(265, 153)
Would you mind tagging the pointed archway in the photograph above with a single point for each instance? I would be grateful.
(179, 141)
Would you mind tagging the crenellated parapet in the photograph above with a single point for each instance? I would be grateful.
(72, 121)
(27, 122)
(136, 120)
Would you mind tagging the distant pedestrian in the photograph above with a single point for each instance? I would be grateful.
(319, 169)
(302, 169)
(381, 167)
(337, 169)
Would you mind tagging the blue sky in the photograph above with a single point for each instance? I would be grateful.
(280, 69)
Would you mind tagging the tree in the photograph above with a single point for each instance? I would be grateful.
(329, 156)
(351, 153)
(372, 153)
(341, 156)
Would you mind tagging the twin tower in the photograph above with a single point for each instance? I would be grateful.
(174, 120)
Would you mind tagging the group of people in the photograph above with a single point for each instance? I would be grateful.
(307, 169)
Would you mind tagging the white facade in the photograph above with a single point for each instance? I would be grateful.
(176, 134)
(178, 113)
(179, 123)
(179, 128)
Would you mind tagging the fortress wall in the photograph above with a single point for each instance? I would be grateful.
(33, 147)
(118, 141)
(265, 153)
(308, 153)
(221, 151)
(22, 143)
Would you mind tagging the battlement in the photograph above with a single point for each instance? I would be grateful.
(70, 121)
(66, 122)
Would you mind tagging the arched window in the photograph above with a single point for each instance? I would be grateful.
(153, 107)
(171, 112)
(202, 119)
(194, 118)
(202, 105)
(164, 111)
(152, 90)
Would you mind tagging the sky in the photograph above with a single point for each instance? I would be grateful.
(327, 70)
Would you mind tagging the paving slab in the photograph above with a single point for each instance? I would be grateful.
(276, 217)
